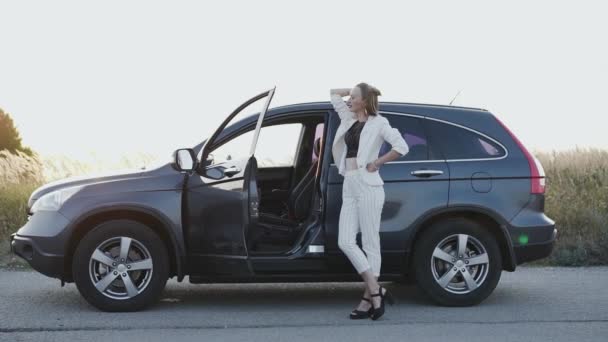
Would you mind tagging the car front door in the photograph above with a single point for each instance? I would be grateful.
(221, 200)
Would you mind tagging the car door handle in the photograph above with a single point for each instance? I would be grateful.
(231, 171)
(426, 173)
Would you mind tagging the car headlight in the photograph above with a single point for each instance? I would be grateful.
(55, 199)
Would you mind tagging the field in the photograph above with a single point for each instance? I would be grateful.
(576, 196)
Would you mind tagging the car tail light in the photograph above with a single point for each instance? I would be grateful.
(537, 173)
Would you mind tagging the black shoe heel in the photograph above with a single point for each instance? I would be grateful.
(389, 298)
(378, 312)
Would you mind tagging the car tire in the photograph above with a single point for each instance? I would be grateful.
(471, 280)
(131, 284)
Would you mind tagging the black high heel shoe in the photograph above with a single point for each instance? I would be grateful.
(358, 314)
(378, 312)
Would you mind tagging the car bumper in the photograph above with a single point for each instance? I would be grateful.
(528, 251)
(532, 232)
(25, 247)
(41, 242)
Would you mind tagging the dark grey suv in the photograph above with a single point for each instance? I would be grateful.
(465, 203)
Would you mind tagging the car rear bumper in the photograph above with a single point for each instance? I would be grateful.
(25, 247)
(532, 232)
(529, 251)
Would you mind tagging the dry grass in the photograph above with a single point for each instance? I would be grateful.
(59, 166)
(19, 176)
(577, 199)
(19, 169)
(576, 195)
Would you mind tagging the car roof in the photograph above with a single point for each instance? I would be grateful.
(475, 118)
(423, 109)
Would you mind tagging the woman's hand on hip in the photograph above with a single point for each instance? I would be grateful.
(371, 167)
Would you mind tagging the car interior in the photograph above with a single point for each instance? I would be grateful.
(287, 193)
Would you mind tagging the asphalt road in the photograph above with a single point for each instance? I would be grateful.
(531, 304)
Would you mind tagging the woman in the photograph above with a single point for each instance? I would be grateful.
(356, 145)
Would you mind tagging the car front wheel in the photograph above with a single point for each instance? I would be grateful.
(457, 262)
(120, 265)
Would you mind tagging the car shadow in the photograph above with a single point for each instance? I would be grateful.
(264, 297)
(270, 296)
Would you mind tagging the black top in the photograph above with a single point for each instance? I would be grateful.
(352, 138)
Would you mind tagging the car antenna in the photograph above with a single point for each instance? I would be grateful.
(458, 93)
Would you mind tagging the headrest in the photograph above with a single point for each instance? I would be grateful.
(317, 146)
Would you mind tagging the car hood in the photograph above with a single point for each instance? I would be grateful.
(163, 170)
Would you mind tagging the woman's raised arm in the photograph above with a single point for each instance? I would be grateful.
(339, 105)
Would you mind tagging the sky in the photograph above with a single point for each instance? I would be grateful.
(114, 77)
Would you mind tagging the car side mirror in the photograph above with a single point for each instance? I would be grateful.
(184, 159)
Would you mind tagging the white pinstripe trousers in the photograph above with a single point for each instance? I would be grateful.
(361, 210)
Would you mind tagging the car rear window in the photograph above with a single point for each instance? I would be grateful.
(459, 143)
(412, 131)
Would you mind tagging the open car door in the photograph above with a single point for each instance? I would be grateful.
(222, 202)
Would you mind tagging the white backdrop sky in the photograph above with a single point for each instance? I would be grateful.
(126, 76)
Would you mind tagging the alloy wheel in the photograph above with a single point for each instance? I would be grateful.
(120, 267)
(460, 263)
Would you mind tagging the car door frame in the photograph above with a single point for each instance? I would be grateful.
(205, 215)
(306, 258)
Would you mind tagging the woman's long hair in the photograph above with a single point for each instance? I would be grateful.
(370, 95)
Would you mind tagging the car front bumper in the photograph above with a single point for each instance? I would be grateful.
(41, 242)
(25, 247)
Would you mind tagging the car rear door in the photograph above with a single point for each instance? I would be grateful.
(413, 184)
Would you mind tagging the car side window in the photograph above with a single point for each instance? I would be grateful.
(459, 143)
(268, 152)
(234, 149)
(277, 145)
(412, 131)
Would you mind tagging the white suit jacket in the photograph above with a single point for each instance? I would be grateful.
(376, 130)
